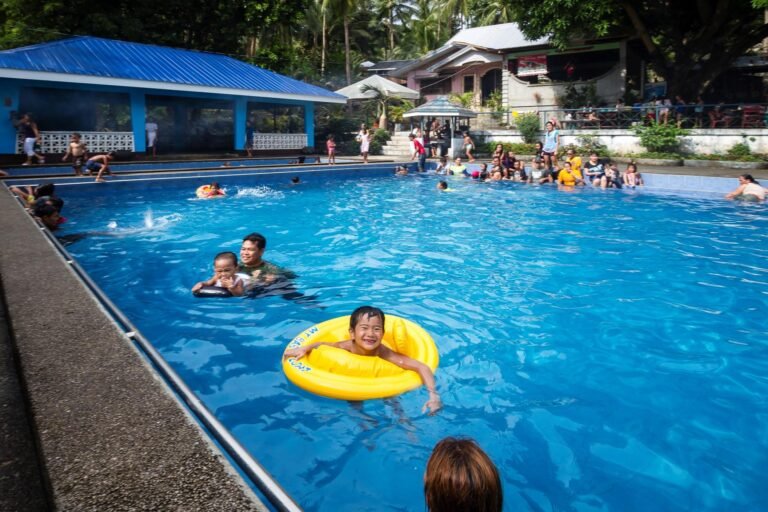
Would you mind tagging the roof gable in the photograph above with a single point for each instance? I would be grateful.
(112, 59)
(505, 36)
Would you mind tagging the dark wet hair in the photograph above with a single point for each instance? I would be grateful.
(749, 178)
(443, 184)
(45, 189)
(226, 255)
(295, 179)
(214, 184)
(256, 238)
(111, 154)
(44, 210)
(54, 201)
(365, 311)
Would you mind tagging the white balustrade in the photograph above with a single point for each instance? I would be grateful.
(96, 142)
(279, 140)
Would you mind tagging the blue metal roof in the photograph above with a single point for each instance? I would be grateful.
(93, 56)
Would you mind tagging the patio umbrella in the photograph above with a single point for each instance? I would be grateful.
(387, 87)
(440, 107)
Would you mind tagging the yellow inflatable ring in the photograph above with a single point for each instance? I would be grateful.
(204, 191)
(336, 373)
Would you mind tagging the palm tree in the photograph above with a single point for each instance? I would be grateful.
(344, 9)
(493, 12)
(381, 100)
(392, 11)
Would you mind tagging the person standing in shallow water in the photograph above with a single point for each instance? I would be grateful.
(259, 271)
(748, 190)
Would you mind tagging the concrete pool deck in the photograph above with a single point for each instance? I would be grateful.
(86, 423)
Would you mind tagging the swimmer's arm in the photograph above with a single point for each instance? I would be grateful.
(209, 282)
(433, 404)
(237, 288)
(739, 190)
(302, 351)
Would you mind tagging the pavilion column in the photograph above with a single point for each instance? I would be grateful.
(309, 123)
(9, 95)
(240, 117)
(138, 121)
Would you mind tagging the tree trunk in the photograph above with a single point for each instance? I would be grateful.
(322, 53)
(347, 51)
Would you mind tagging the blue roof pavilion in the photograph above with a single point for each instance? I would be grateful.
(201, 101)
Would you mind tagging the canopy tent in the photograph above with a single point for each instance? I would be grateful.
(440, 107)
(388, 87)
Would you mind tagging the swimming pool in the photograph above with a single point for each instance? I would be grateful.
(607, 348)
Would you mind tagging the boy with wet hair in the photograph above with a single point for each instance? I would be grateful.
(224, 275)
(366, 330)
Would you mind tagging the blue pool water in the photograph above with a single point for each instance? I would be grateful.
(608, 349)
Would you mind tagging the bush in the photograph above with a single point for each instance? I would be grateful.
(573, 97)
(740, 150)
(660, 138)
(528, 125)
(519, 148)
(587, 144)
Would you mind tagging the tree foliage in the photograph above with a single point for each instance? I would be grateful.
(687, 42)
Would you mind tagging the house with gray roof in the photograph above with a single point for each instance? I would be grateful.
(527, 73)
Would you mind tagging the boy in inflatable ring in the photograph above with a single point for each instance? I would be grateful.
(224, 275)
(366, 329)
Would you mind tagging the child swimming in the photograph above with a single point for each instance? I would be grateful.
(224, 275)
(212, 190)
(366, 330)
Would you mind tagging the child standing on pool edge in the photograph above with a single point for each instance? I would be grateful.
(330, 145)
(366, 330)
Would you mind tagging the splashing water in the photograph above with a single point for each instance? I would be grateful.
(149, 222)
(261, 191)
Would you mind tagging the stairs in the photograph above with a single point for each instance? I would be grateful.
(398, 146)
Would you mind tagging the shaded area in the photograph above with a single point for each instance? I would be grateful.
(21, 480)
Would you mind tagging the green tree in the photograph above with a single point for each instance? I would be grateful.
(393, 14)
(688, 42)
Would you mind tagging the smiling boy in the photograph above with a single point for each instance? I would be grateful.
(366, 330)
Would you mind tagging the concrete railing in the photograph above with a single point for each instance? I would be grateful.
(96, 142)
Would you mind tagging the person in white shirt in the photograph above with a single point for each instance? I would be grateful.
(151, 128)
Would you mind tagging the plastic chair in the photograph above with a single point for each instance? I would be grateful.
(752, 116)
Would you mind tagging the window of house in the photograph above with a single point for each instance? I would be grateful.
(469, 83)
(276, 118)
(439, 85)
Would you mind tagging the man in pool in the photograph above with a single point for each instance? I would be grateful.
(258, 270)
(366, 330)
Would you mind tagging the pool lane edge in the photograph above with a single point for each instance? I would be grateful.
(109, 432)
